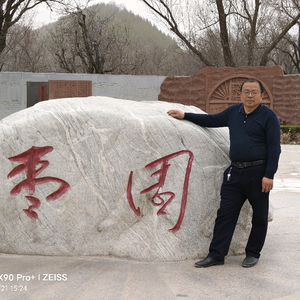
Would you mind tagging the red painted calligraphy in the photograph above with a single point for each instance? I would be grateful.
(157, 199)
(32, 164)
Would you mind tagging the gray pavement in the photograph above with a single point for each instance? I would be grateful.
(276, 276)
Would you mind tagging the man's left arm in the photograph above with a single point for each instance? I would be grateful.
(273, 152)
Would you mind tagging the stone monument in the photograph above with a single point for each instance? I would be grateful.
(109, 177)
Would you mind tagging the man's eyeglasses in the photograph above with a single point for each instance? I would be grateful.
(253, 93)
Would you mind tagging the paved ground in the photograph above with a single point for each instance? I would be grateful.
(276, 276)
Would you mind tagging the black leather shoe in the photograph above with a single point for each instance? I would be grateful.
(250, 261)
(208, 262)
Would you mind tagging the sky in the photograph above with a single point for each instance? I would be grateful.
(44, 16)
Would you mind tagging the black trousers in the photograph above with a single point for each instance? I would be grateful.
(246, 183)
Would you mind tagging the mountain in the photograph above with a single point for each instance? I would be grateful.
(141, 30)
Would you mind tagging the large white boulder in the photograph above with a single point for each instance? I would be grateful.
(111, 164)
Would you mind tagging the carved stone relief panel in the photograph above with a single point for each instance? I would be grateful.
(226, 93)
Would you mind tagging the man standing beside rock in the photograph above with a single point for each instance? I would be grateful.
(254, 151)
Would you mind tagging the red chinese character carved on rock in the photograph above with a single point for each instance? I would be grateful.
(162, 173)
(32, 164)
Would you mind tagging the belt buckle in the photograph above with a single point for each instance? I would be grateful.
(241, 165)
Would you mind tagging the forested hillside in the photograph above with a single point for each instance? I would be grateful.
(108, 39)
(103, 39)
(141, 29)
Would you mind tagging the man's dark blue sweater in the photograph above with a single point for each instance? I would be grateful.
(253, 136)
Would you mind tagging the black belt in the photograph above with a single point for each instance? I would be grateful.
(245, 164)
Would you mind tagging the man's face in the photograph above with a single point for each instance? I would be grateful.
(253, 99)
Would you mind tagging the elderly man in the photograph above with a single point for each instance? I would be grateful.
(254, 151)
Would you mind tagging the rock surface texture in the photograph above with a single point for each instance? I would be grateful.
(109, 177)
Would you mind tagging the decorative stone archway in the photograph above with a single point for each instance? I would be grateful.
(226, 93)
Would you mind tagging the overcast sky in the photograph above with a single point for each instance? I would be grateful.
(44, 16)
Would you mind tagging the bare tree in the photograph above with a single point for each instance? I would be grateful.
(25, 50)
(253, 23)
(12, 11)
(288, 52)
(59, 48)
(95, 41)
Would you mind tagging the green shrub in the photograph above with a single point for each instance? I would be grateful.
(290, 134)
(290, 129)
